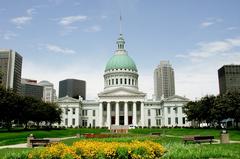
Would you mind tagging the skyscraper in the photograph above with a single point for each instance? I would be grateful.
(49, 93)
(164, 85)
(72, 88)
(10, 69)
(31, 88)
(229, 78)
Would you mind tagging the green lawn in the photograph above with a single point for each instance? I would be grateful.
(234, 134)
(174, 146)
(15, 137)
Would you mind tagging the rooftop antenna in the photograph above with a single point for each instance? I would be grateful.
(120, 23)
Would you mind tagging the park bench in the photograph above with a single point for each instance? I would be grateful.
(39, 142)
(198, 139)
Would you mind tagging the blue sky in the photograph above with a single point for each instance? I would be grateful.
(61, 39)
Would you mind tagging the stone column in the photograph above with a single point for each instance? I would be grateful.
(117, 113)
(134, 119)
(108, 115)
(125, 113)
(100, 114)
(142, 113)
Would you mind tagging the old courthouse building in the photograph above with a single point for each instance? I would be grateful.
(121, 102)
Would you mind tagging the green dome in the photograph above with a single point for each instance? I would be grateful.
(121, 61)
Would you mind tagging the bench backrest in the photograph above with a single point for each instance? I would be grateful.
(39, 140)
(203, 137)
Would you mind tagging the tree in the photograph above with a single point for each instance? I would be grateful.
(191, 109)
(8, 105)
(232, 102)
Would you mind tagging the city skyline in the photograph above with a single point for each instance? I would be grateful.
(61, 39)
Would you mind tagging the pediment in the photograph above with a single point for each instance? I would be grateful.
(121, 92)
(176, 98)
(67, 99)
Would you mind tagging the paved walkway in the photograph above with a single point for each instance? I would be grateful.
(24, 145)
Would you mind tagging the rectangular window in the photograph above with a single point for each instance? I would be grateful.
(73, 121)
(158, 122)
(74, 111)
(176, 120)
(125, 81)
(129, 81)
(158, 112)
(93, 123)
(116, 81)
(183, 120)
(149, 122)
(169, 121)
(84, 112)
(169, 110)
(120, 80)
(149, 112)
(66, 121)
(93, 112)
(84, 123)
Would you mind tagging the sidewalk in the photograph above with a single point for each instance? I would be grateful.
(24, 145)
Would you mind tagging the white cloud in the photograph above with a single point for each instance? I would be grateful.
(232, 28)
(66, 21)
(9, 35)
(210, 21)
(95, 28)
(20, 21)
(206, 24)
(58, 49)
(31, 11)
(199, 76)
(206, 50)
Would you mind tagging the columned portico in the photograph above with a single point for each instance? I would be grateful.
(121, 113)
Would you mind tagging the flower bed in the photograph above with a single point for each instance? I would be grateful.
(95, 149)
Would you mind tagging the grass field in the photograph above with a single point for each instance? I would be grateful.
(174, 145)
(234, 134)
(15, 137)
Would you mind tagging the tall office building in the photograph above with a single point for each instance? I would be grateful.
(49, 93)
(72, 88)
(10, 69)
(164, 85)
(229, 78)
(31, 88)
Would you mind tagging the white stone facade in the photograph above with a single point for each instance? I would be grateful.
(121, 102)
(141, 112)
